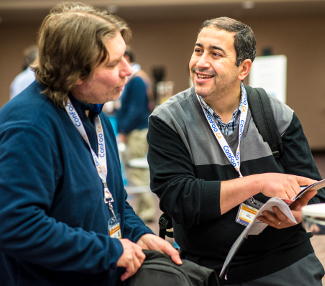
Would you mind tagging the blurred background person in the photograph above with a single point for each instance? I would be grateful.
(27, 76)
(132, 125)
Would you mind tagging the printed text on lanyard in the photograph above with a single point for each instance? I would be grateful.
(235, 161)
(100, 160)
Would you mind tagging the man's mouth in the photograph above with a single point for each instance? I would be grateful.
(203, 76)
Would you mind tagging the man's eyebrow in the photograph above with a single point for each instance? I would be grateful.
(217, 48)
(211, 47)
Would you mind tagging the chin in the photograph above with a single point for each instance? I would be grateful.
(203, 92)
(112, 98)
(116, 97)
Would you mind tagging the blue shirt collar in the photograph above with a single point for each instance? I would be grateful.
(94, 108)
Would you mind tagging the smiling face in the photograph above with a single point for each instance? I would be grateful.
(109, 78)
(212, 65)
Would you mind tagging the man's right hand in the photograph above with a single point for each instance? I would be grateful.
(282, 185)
(236, 191)
(131, 258)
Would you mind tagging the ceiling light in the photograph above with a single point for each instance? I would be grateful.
(112, 8)
(248, 4)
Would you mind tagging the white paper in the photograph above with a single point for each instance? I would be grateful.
(257, 226)
(270, 72)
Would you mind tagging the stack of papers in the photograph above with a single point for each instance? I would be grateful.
(257, 226)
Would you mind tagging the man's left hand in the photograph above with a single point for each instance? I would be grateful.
(153, 242)
(279, 220)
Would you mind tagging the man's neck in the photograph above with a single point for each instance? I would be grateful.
(225, 106)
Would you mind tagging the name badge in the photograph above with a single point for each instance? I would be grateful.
(114, 227)
(247, 211)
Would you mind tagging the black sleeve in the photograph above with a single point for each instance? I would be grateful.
(297, 158)
(186, 198)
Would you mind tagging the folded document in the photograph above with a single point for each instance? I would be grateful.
(257, 226)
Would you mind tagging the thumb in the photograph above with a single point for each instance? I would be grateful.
(297, 205)
(176, 258)
(126, 274)
(173, 253)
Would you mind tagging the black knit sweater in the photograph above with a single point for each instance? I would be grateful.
(187, 166)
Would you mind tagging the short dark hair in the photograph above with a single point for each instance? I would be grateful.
(130, 54)
(71, 44)
(30, 54)
(244, 39)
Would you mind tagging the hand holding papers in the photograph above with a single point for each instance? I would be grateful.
(257, 226)
(313, 187)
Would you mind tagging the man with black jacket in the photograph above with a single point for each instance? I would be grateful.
(210, 167)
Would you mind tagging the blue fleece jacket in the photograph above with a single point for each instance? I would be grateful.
(53, 220)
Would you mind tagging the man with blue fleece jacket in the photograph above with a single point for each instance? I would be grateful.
(63, 210)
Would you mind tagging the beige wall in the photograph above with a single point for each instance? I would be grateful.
(301, 41)
(170, 44)
(13, 40)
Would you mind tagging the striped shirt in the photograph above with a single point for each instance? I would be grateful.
(229, 128)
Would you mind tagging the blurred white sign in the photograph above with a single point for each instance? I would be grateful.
(270, 73)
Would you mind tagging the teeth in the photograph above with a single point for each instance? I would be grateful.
(204, 76)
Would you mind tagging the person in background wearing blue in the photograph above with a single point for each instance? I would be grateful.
(27, 76)
(63, 210)
(132, 125)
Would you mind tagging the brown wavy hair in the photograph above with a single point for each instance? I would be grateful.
(71, 44)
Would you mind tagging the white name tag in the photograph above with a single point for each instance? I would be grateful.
(114, 228)
(246, 214)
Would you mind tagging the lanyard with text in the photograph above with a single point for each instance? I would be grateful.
(235, 161)
(247, 210)
(100, 160)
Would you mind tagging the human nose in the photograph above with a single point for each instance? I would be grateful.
(203, 62)
(126, 68)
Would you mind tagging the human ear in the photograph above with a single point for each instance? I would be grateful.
(79, 81)
(244, 69)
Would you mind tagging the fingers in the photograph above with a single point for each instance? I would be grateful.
(271, 220)
(282, 185)
(129, 271)
(297, 215)
(131, 258)
(153, 242)
(176, 258)
(291, 186)
(298, 204)
(305, 181)
(168, 249)
(277, 220)
(132, 268)
(291, 192)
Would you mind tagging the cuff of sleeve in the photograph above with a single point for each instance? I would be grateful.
(144, 230)
(211, 200)
(119, 249)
